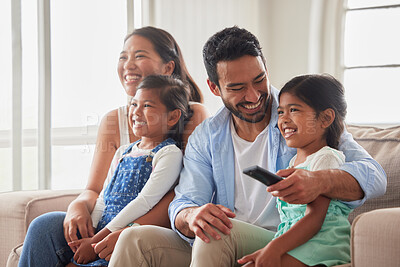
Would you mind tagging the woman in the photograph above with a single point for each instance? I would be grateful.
(146, 51)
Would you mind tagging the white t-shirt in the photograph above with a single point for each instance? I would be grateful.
(253, 204)
(167, 164)
(323, 159)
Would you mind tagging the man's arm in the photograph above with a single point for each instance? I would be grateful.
(302, 187)
(359, 179)
(191, 212)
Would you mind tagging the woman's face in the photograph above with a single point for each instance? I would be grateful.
(137, 60)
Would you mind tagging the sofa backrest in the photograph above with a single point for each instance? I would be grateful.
(384, 146)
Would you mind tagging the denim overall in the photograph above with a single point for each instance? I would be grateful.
(128, 180)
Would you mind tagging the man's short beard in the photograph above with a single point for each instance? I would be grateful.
(239, 115)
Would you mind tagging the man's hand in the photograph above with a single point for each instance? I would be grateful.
(201, 220)
(300, 186)
(105, 247)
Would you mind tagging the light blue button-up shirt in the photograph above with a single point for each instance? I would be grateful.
(208, 175)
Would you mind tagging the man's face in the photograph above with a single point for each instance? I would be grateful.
(244, 88)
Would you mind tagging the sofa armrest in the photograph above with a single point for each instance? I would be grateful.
(18, 209)
(375, 238)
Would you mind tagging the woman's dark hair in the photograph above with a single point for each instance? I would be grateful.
(174, 94)
(320, 92)
(168, 49)
(229, 44)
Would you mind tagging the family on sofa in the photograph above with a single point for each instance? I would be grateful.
(124, 216)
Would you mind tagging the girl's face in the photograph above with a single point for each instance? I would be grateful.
(137, 60)
(299, 125)
(148, 116)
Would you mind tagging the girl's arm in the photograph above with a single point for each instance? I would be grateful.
(78, 213)
(305, 228)
(158, 215)
(167, 164)
(297, 235)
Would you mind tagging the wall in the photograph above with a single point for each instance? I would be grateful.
(282, 27)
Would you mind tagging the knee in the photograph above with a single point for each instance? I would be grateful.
(214, 246)
(145, 238)
(137, 234)
(134, 241)
(47, 222)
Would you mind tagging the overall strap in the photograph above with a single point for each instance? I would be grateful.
(130, 148)
(164, 143)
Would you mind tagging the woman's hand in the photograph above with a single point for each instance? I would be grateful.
(105, 247)
(77, 219)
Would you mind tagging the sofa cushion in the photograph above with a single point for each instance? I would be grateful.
(384, 146)
(13, 258)
(18, 209)
(375, 238)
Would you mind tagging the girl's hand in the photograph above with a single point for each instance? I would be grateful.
(267, 256)
(77, 218)
(84, 252)
(105, 247)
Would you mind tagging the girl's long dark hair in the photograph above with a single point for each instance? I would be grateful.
(174, 94)
(321, 91)
(169, 50)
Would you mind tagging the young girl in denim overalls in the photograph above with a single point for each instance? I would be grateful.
(311, 112)
(144, 171)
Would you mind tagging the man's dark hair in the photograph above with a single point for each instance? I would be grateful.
(229, 44)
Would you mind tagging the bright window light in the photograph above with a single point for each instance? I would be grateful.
(372, 61)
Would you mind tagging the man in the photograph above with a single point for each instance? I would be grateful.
(212, 188)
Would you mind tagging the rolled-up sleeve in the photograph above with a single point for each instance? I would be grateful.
(367, 171)
(196, 185)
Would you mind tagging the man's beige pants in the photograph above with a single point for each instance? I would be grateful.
(157, 246)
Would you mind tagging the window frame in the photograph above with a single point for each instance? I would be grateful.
(326, 43)
(45, 136)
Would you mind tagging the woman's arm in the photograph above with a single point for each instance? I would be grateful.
(297, 235)
(200, 113)
(159, 214)
(107, 143)
(78, 213)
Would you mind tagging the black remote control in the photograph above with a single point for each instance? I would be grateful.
(264, 176)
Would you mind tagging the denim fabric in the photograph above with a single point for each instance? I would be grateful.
(129, 178)
(45, 244)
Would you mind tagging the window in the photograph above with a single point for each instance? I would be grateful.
(84, 53)
(6, 95)
(85, 40)
(372, 61)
